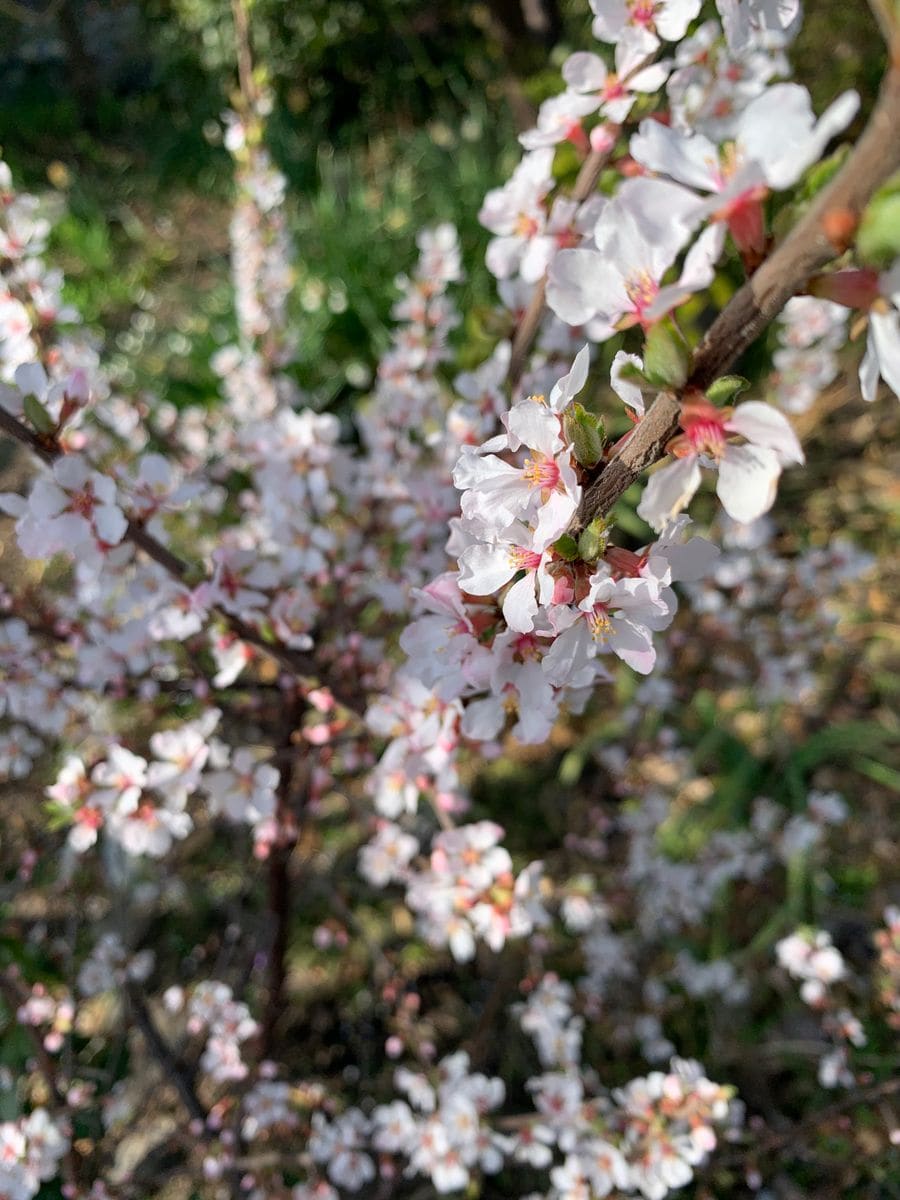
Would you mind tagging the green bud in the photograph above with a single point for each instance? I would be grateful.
(726, 389)
(666, 355)
(267, 632)
(593, 540)
(586, 433)
(821, 173)
(878, 236)
(566, 547)
(38, 415)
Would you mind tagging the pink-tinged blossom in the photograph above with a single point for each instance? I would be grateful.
(518, 685)
(149, 828)
(180, 755)
(443, 645)
(448, 1137)
(544, 489)
(341, 1145)
(182, 613)
(614, 617)
(748, 474)
(76, 796)
(72, 511)
(241, 581)
(30, 1152)
(605, 1167)
(471, 890)
(31, 380)
(614, 93)
(245, 791)
(882, 356)
(385, 858)
(665, 19)
(516, 214)
(810, 956)
(638, 237)
(752, 22)
(711, 87)
(266, 1105)
(775, 139)
(231, 657)
(487, 566)
(158, 487)
(560, 120)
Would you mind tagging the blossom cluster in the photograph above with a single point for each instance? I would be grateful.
(30, 1153)
(809, 955)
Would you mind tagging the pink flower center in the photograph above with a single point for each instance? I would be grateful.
(89, 816)
(706, 433)
(566, 239)
(613, 88)
(526, 225)
(83, 502)
(643, 13)
(599, 623)
(641, 289)
(525, 647)
(541, 472)
(523, 559)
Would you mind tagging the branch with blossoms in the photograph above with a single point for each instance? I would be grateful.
(823, 234)
(81, 490)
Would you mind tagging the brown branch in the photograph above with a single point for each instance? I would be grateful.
(810, 245)
(244, 54)
(178, 1074)
(296, 662)
(293, 791)
(778, 1139)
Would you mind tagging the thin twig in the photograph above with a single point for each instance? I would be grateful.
(178, 1074)
(293, 792)
(296, 662)
(777, 1139)
(244, 53)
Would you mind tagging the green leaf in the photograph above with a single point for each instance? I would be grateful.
(586, 433)
(666, 355)
(887, 776)
(822, 173)
(839, 743)
(632, 374)
(726, 389)
(566, 547)
(878, 237)
(593, 540)
(38, 415)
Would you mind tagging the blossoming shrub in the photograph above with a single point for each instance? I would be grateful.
(417, 795)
